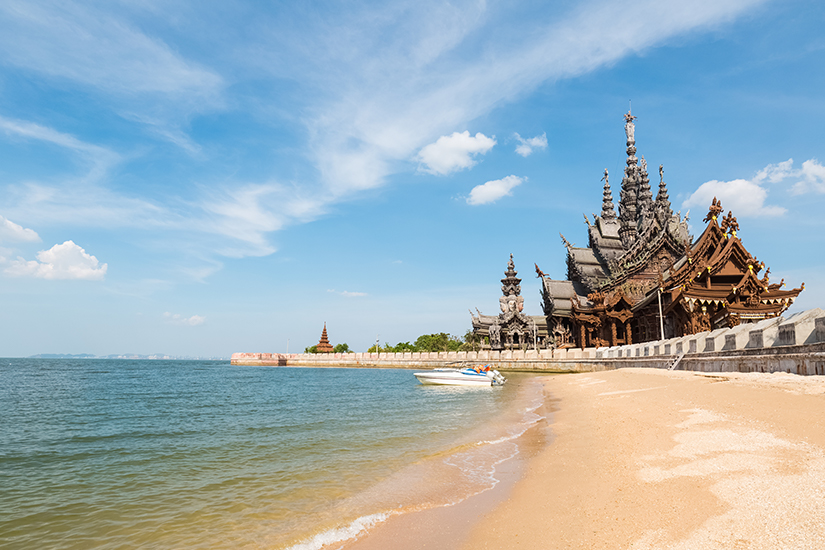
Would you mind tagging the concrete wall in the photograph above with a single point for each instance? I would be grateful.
(795, 345)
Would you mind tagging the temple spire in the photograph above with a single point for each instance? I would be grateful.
(644, 199)
(663, 208)
(628, 210)
(511, 284)
(607, 201)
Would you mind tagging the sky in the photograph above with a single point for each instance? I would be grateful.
(203, 178)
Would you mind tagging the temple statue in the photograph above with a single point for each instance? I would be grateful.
(629, 127)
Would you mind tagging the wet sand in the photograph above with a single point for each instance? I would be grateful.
(648, 459)
(449, 526)
(645, 459)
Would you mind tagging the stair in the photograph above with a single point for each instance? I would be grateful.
(676, 361)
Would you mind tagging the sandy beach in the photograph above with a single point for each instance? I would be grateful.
(649, 459)
(643, 459)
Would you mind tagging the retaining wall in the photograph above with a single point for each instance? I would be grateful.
(795, 345)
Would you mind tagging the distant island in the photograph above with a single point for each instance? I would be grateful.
(158, 356)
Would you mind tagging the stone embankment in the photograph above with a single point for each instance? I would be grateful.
(795, 345)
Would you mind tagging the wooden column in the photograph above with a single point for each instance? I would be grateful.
(628, 334)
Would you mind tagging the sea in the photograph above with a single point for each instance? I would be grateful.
(104, 453)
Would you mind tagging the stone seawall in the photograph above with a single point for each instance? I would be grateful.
(795, 345)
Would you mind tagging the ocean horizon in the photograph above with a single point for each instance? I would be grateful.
(104, 453)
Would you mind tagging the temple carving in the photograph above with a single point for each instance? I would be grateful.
(642, 276)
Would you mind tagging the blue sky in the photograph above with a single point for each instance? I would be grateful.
(200, 178)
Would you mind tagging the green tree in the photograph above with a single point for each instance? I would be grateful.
(472, 341)
(311, 349)
(341, 348)
(404, 346)
(438, 342)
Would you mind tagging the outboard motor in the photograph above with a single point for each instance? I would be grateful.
(497, 378)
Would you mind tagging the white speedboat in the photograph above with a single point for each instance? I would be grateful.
(461, 377)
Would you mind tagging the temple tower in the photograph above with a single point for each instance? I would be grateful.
(511, 289)
(607, 200)
(644, 200)
(628, 209)
(323, 345)
(663, 209)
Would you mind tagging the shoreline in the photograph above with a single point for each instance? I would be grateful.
(448, 526)
(646, 459)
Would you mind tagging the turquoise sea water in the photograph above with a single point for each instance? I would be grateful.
(192, 454)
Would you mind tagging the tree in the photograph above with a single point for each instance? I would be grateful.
(471, 341)
(341, 348)
(311, 349)
(438, 342)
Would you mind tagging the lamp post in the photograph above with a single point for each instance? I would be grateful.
(661, 317)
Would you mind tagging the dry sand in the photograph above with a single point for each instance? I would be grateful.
(648, 459)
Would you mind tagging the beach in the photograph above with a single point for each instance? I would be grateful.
(650, 459)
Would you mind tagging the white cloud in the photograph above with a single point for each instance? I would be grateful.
(10, 231)
(526, 146)
(493, 190)
(178, 319)
(742, 197)
(454, 152)
(774, 173)
(813, 178)
(747, 197)
(62, 261)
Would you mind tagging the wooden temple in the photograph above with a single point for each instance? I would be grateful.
(643, 278)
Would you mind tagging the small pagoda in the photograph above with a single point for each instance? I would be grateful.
(323, 345)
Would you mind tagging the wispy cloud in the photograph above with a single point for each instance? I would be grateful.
(62, 261)
(11, 232)
(99, 158)
(95, 48)
(526, 147)
(100, 50)
(178, 319)
(454, 152)
(493, 190)
(246, 213)
(347, 293)
(375, 89)
(380, 103)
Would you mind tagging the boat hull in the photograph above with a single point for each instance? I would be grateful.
(451, 377)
